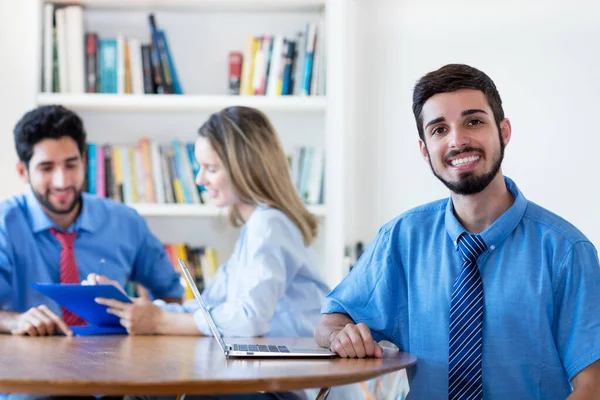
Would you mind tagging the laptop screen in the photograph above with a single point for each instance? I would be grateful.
(211, 323)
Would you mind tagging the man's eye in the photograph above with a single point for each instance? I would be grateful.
(475, 122)
(439, 130)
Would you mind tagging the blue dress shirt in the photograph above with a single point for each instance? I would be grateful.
(541, 281)
(112, 240)
(268, 287)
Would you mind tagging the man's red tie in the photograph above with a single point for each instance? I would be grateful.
(68, 270)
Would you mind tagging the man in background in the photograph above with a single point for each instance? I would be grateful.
(56, 233)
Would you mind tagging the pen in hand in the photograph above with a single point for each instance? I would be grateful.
(100, 266)
(93, 278)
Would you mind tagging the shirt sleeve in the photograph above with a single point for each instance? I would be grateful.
(213, 294)
(577, 315)
(152, 267)
(267, 249)
(371, 293)
(6, 269)
(215, 291)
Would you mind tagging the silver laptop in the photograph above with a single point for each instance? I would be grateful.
(250, 350)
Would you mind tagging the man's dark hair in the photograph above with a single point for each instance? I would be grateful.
(47, 122)
(450, 78)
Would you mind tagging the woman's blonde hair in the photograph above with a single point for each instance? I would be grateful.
(253, 157)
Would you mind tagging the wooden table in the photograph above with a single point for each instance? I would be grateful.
(160, 365)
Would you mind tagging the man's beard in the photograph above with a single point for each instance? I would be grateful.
(468, 183)
(45, 201)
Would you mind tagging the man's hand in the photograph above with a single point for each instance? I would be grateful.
(95, 279)
(354, 341)
(339, 333)
(586, 383)
(39, 321)
(140, 318)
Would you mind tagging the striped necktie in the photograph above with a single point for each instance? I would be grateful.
(68, 270)
(466, 324)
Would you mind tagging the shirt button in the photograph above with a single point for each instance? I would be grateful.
(492, 247)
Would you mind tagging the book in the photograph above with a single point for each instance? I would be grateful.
(162, 39)
(148, 173)
(91, 62)
(235, 72)
(159, 53)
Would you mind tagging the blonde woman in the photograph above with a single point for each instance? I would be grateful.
(269, 286)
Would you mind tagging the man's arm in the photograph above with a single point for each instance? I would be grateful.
(329, 325)
(577, 319)
(171, 299)
(37, 321)
(339, 333)
(586, 383)
(8, 321)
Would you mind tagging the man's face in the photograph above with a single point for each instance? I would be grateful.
(463, 144)
(56, 174)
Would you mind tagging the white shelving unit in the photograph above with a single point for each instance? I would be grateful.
(151, 102)
(193, 210)
(201, 5)
(201, 32)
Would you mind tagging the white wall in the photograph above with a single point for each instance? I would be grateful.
(545, 61)
(17, 66)
(544, 58)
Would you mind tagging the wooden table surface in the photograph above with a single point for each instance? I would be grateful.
(154, 365)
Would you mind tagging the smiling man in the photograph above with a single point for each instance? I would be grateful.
(496, 296)
(56, 233)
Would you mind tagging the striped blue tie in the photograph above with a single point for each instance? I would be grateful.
(466, 319)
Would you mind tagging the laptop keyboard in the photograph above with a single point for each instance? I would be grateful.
(260, 347)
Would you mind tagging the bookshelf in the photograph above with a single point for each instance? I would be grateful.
(192, 210)
(129, 102)
(200, 34)
(202, 5)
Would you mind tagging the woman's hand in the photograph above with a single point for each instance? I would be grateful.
(142, 317)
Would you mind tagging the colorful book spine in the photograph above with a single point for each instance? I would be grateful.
(311, 37)
(91, 62)
(118, 174)
(160, 58)
(149, 84)
(100, 172)
(235, 72)
(288, 68)
(176, 180)
(167, 175)
(148, 181)
(91, 160)
(127, 182)
(162, 37)
(108, 65)
(181, 172)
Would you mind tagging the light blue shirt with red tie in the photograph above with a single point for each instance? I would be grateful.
(541, 280)
(112, 240)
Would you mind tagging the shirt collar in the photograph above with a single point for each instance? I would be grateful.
(40, 221)
(499, 229)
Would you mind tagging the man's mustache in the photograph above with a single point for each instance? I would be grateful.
(469, 149)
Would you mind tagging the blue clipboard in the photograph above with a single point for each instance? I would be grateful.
(80, 300)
